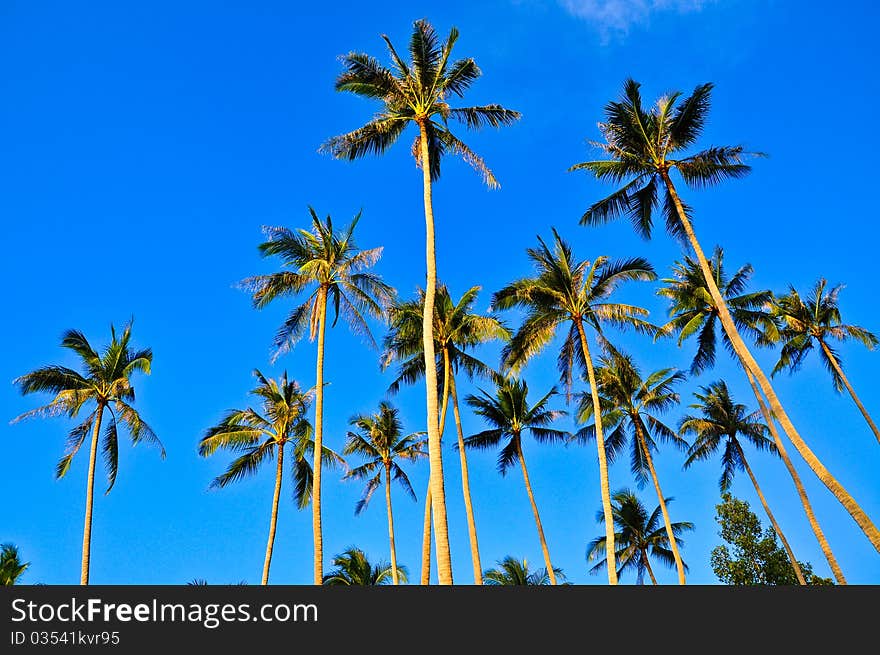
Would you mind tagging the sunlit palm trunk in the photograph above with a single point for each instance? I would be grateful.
(794, 563)
(90, 494)
(739, 346)
(544, 549)
(394, 575)
(802, 493)
(648, 567)
(679, 564)
(270, 545)
(852, 392)
(319, 441)
(435, 455)
(610, 558)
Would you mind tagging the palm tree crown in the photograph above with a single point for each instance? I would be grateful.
(354, 569)
(11, 566)
(511, 572)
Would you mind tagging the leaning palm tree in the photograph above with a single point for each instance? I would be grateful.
(638, 538)
(721, 424)
(805, 323)
(329, 265)
(644, 146)
(105, 386)
(418, 93)
(457, 329)
(693, 313)
(261, 436)
(576, 293)
(631, 406)
(11, 566)
(511, 572)
(510, 415)
(380, 440)
(353, 569)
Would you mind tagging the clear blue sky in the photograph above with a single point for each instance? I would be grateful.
(144, 146)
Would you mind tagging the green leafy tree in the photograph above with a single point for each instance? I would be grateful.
(511, 572)
(103, 386)
(380, 440)
(354, 569)
(327, 265)
(11, 566)
(417, 93)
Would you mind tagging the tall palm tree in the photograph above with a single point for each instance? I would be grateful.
(511, 572)
(11, 566)
(418, 93)
(510, 415)
(720, 425)
(354, 569)
(693, 312)
(457, 329)
(815, 321)
(104, 386)
(328, 264)
(567, 291)
(261, 436)
(638, 538)
(644, 146)
(380, 440)
(630, 409)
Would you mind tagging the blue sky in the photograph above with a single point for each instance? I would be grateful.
(146, 144)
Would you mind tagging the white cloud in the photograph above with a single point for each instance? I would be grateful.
(615, 17)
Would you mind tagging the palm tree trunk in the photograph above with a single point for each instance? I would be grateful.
(852, 392)
(394, 576)
(802, 493)
(843, 496)
(794, 563)
(90, 494)
(279, 471)
(610, 558)
(648, 568)
(679, 564)
(435, 455)
(544, 549)
(319, 443)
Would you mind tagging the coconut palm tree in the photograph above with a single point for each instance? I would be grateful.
(805, 323)
(631, 406)
(720, 425)
(693, 312)
(457, 330)
(644, 147)
(510, 415)
(638, 538)
(418, 93)
(261, 436)
(511, 572)
(104, 386)
(328, 265)
(379, 439)
(575, 293)
(354, 569)
(11, 566)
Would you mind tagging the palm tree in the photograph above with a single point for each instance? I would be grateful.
(11, 566)
(693, 312)
(644, 147)
(330, 264)
(509, 414)
(721, 423)
(565, 290)
(379, 439)
(638, 536)
(105, 385)
(630, 408)
(354, 569)
(260, 436)
(511, 572)
(457, 329)
(815, 321)
(417, 93)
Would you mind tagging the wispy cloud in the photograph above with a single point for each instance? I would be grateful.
(614, 18)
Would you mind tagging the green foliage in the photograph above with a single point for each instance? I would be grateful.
(11, 566)
(353, 568)
(511, 572)
(752, 555)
